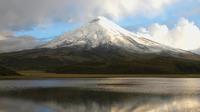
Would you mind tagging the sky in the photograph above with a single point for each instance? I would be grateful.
(28, 23)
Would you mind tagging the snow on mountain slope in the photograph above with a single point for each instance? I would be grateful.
(101, 31)
(197, 51)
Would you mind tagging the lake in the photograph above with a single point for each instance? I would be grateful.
(101, 95)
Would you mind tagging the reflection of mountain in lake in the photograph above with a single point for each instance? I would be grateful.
(75, 100)
(101, 95)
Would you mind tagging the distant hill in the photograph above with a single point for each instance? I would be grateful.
(7, 72)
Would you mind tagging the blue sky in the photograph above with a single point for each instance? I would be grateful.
(189, 9)
(170, 15)
(28, 23)
(50, 31)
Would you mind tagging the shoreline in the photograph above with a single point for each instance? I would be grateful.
(82, 76)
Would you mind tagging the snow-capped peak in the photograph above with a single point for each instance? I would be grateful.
(101, 31)
(97, 32)
(109, 25)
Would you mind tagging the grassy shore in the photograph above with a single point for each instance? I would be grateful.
(44, 75)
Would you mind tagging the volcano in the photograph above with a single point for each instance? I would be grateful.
(101, 46)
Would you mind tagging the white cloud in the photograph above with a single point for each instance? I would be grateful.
(121, 8)
(5, 35)
(20, 14)
(9, 43)
(185, 35)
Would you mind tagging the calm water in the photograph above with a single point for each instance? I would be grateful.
(101, 95)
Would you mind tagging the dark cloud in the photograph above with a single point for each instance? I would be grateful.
(22, 14)
(9, 43)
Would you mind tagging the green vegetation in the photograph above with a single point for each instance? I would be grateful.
(42, 74)
(74, 95)
(97, 61)
(7, 72)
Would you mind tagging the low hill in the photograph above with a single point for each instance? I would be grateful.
(7, 72)
(97, 61)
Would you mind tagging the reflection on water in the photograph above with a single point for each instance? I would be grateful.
(100, 95)
(160, 105)
(14, 105)
(155, 104)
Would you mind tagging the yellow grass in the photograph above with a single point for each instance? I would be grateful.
(41, 74)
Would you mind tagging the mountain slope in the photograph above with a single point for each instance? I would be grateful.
(97, 61)
(101, 46)
(101, 31)
(197, 51)
(7, 72)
